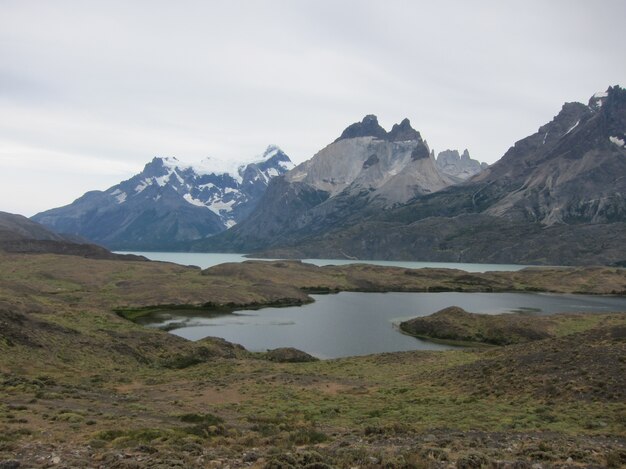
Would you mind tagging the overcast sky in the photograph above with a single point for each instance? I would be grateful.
(92, 90)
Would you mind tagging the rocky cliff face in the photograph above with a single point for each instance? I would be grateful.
(460, 167)
(365, 169)
(169, 202)
(571, 171)
(392, 167)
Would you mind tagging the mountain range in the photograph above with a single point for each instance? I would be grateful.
(169, 202)
(555, 197)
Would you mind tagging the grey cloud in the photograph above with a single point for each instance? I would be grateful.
(124, 81)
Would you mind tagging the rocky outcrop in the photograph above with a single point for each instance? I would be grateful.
(289, 355)
(461, 167)
(368, 127)
(403, 132)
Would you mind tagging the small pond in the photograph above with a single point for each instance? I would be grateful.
(348, 324)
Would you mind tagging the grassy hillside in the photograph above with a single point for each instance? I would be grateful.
(81, 386)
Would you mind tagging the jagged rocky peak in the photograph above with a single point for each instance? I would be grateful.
(460, 166)
(610, 103)
(403, 131)
(598, 99)
(568, 118)
(391, 167)
(369, 127)
(274, 155)
(159, 165)
(614, 115)
(273, 151)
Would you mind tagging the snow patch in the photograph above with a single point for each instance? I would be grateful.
(218, 166)
(162, 180)
(218, 206)
(209, 165)
(213, 165)
(272, 172)
(142, 185)
(596, 99)
(573, 127)
(192, 201)
(617, 141)
(170, 162)
(544, 137)
(270, 152)
(230, 223)
(286, 165)
(120, 197)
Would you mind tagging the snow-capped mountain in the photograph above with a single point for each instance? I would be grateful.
(170, 201)
(224, 187)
